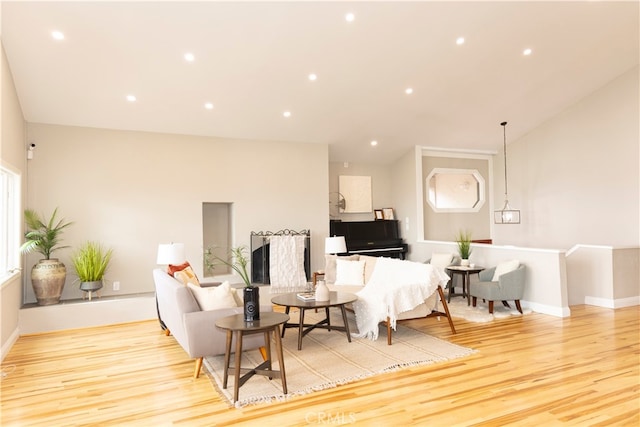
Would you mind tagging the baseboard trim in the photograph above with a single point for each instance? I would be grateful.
(6, 347)
(612, 303)
(548, 309)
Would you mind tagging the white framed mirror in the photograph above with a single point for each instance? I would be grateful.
(455, 190)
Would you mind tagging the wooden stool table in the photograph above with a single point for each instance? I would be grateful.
(268, 322)
(465, 272)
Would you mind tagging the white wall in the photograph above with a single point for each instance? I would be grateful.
(576, 178)
(603, 276)
(381, 194)
(134, 190)
(446, 225)
(12, 154)
(407, 197)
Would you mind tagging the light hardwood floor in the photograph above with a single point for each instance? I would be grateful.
(532, 370)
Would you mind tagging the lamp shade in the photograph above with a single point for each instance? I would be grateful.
(170, 253)
(335, 245)
(507, 215)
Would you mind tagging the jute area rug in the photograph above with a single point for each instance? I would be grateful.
(328, 360)
(480, 313)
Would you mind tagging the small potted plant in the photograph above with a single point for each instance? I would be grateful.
(463, 240)
(49, 274)
(90, 262)
(239, 259)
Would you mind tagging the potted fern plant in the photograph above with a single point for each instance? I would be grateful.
(48, 276)
(90, 262)
(463, 240)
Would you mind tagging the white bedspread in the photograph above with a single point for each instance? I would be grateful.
(395, 286)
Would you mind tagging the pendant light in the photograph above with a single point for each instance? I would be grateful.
(506, 215)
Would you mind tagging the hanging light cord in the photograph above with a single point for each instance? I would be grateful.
(504, 127)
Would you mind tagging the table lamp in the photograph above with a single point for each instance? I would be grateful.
(170, 253)
(332, 245)
(335, 245)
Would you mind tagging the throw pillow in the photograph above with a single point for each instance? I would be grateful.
(441, 260)
(330, 266)
(187, 276)
(349, 272)
(505, 267)
(213, 298)
(238, 296)
(171, 268)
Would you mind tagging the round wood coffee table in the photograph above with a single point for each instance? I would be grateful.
(336, 299)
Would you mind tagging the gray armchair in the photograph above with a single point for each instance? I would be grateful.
(509, 287)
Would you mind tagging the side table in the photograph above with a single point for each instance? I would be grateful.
(465, 272)
(269, 322)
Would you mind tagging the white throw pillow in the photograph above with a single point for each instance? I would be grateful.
(349, 272)
(441, 260)
(214, 297)
(330, 266)
(505, 267)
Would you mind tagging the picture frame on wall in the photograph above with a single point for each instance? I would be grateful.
(378, 214)
(387, 213)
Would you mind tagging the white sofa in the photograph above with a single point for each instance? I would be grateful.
(193, 328)
(426, 309)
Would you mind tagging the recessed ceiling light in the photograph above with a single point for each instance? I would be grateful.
(527, 52)
(131, 98)
(287, 114)
(189, 56)
(408, 91)
(374, 143)
(208, 106)
(350, 17)
(313, 77)
(460, 40)
(57, 35)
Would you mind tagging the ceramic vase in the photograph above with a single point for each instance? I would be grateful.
(47, 278)
(322, 291)
(91, 287)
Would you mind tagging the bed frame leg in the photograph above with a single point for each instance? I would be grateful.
(446, 309)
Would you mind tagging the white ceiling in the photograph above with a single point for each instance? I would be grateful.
(253, 59)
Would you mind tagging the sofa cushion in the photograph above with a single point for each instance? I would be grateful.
(369, 265)
(330, 266)
(213, 298)
(349, 272)
(505, 267)
(238, 296)
(187, 276)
